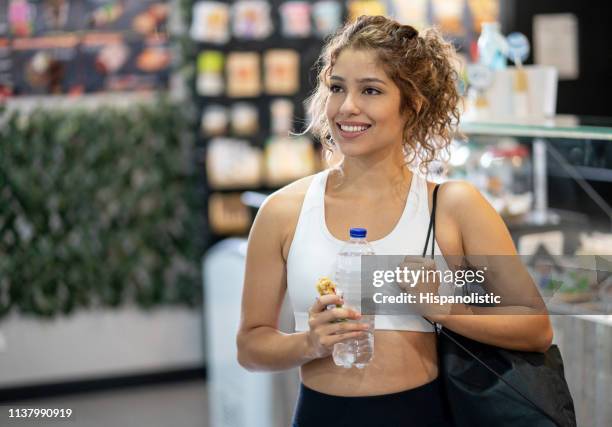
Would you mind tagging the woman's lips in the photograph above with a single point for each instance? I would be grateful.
(351, 135)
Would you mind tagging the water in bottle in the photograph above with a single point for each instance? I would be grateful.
(354, 352)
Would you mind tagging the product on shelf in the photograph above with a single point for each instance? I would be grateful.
(413, 12)
(282, 72)
(214, 120)
(251, 20)
(210, 22)
(356, 8)
(245, 119)
(243, 74)
(233, 163)
(209, 81)
(595, 244)
(492, 46)
(227, 214)
(483, 11)
(295, 19)
(281, 114)
(288, 159)
(448, 16)
(326, 16)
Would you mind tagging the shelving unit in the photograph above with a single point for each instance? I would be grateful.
(308, 49)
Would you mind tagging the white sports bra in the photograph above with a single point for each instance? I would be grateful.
(313, 251)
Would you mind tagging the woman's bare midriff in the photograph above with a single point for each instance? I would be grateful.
(402, 360)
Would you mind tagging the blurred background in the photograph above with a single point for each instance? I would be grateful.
(139, 138)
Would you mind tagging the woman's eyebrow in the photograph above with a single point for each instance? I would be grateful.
(363, 80)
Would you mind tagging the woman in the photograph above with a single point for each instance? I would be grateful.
(386, 100)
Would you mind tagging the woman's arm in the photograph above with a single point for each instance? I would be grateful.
(482, 232)
(261, 346)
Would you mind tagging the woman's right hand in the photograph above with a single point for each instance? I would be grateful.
(325, 330)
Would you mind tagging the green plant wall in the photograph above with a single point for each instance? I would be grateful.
(98, 208)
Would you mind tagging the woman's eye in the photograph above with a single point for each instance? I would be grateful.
(335, 88)
(371, 91)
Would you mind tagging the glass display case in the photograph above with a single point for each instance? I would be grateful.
(578, 149)
(552, 183)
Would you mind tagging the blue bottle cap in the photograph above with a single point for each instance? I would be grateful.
(359, 233)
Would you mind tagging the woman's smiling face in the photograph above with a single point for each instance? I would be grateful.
(363, 106)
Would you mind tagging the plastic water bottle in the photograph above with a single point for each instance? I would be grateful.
(492, 46)
(354, 352)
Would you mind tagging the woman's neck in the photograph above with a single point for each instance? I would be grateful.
(369, 175)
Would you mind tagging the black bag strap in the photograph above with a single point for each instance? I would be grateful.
(431, 232)
(432, 223)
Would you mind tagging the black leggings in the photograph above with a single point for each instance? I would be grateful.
(418, 407)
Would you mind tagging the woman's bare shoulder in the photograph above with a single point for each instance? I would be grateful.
(281, 209)
(277, 218)
(288, 200)
(456, 196)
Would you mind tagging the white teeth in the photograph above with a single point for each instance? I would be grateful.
(346, 128)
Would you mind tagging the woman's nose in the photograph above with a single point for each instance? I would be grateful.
(349, 105)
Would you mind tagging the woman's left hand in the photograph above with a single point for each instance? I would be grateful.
(427, 283)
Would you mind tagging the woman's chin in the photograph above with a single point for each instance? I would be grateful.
(358, 150)
(353, 148)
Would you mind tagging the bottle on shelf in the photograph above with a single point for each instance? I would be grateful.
(354, 352)
(492, 46)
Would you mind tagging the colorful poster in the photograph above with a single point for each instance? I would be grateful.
(83, 46)
(113, 62)
(140, 16)
(45, 65)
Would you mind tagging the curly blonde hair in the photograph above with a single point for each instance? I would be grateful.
(421, 67)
